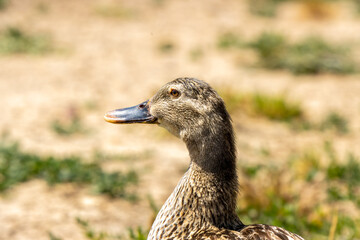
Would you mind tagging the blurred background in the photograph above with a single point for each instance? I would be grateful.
(288, 71)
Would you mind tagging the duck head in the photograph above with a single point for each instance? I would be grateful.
(186, 107)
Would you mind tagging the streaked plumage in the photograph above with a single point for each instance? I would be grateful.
(203, 204)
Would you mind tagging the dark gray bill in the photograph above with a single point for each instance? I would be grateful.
(136, 114)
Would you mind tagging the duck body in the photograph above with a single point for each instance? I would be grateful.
(203, 204)
(193, 211)
(195, 207)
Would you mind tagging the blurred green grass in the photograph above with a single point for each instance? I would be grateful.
(71, 124)
(14, 40)
(90, 233)
(279, 108)
(317, 9)
(264, 8)
(196, 54)
(17, 166)
(277, 205)
(273, 107)
(335, 121)
(115, 11)
(304, 194)
(3, 4)
(312, 55)
(70, 128)
(166, 46)
(275, 202)
(229, 40)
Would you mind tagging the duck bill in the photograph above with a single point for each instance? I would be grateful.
(136, 114)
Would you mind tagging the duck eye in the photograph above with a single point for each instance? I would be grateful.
(174, 92)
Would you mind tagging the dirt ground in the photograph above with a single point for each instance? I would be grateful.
(108, 60)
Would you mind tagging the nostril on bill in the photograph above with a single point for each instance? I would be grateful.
(143, 105)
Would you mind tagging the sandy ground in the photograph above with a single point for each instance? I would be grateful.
(110, 61)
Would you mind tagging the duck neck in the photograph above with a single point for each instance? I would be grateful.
(214, 152)
(213, 163)
(205, 197)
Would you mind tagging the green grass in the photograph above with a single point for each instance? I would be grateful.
(53, 236)
(343, 185)
(305, 166)
(271, 49)
(114, 11)
(3, 4)
(276, 107)
(268, 8)
(357, 6)
(71, 124)
(234, 100)
(250, 171)
(14, 40)
(347, 172)
(166, 47)
(270, 194)
(274, 205)
(91, 234)
(17, 166)
(137, 234)
(344, 180)
(317, 9)
(229, 40)
(275, 202)
(273, 107)
(334, 121)
(158, 3)
(312, 55)
(264, 8)
(196, 54)
(42, 7)
(65, 129)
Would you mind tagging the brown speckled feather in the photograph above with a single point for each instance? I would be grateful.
(251, 232)
(265, 232)
(200, 208)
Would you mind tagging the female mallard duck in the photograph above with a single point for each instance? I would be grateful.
(203, 204)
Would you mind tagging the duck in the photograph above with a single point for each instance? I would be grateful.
(203, 204)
